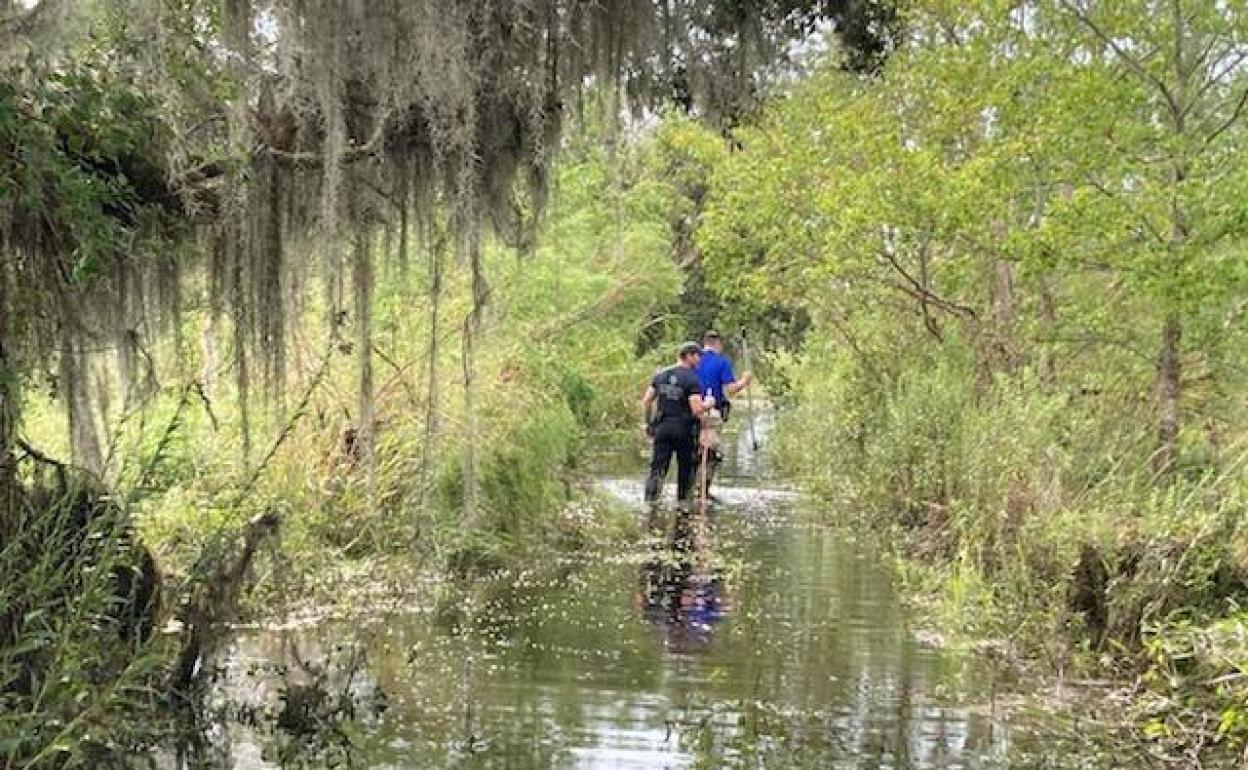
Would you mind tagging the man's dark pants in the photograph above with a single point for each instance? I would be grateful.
(672, 438)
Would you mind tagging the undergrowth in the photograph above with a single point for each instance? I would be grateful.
(1032, 515)
(82, 666)
(553, 362)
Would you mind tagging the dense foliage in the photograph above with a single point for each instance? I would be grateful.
(384, 273)
(1022, 253)
(211, 218)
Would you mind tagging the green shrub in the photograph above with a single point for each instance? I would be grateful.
(80, 666)
(1037, 506)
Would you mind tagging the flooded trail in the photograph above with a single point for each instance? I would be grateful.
(754, 638)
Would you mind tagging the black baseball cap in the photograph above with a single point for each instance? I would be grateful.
(688, 349)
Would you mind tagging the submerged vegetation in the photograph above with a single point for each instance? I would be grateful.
(296, 294)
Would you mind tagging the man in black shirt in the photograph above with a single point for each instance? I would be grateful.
(674, 395)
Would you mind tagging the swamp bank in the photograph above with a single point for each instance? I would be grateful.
(752, 635)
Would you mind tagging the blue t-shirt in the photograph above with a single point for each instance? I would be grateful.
(714, 372)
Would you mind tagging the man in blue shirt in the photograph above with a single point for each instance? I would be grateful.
(716, 379)
(715, 373)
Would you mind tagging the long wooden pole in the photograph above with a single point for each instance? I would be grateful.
(749, 394)
(703, 490)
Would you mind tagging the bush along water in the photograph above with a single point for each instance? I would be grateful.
(1019, 279)
(80, 664)
(1036, 517)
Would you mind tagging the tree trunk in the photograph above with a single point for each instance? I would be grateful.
(208, 346)
(1170, 385)
(362, 277)
(127, 353)
(84, 441)
(242, 373)
(468, 360)
(1170, 360)
(472, 323)
(434, 393)
(9, 405)
(1004, 316)
(404, 228)
(1048, 317)
(272, 294)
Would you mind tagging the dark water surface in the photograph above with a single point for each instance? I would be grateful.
(753, 638)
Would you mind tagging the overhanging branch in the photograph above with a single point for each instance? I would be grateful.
(315, 159)
(922, 293)
(1132, 62)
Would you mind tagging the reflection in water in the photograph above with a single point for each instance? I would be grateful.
(754, 639)
(680, 593)
(745, 461)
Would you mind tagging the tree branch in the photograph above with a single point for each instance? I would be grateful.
(1133, 63)
(300, 410)
(925, 282)
(312, 159)
(923, 294)
(841, 326)
(22, 22)
(398, 377)
(1232, 120)
(1216, 78)
(39, 456)
(604, 305)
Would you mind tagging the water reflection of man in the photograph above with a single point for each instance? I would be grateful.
(679, 593)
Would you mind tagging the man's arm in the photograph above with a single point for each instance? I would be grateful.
(736, 386)
(647, 401)
(701, 405)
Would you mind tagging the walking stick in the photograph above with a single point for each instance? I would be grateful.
(708, 438)
(703, 492)
(749, 394)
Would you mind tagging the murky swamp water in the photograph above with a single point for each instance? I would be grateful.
(752, 638)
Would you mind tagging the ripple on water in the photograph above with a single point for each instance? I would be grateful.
(632, 492)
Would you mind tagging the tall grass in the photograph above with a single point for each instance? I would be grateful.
(1039, 516)
(80, 664)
